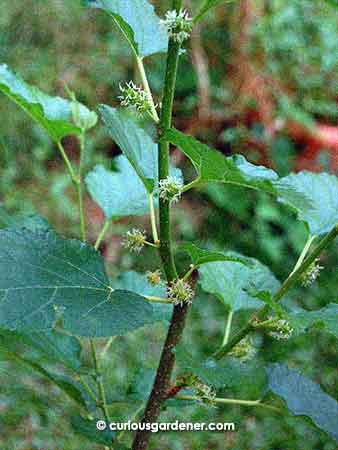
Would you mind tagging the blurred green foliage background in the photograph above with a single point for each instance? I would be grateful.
(255, 71)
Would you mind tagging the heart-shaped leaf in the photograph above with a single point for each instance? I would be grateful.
(54, 114)
(45, 279)
(138, 22)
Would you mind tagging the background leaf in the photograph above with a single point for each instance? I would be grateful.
(87, 428)
(138, 283)
(44, 279)
(52, 345)
(52, 113)
(304, 397)
(138, 22)
(232, 283)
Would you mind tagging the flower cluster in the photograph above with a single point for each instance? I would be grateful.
(135, 240)
(277, 328)
(178, 25)
(170, 189)
(180, 292)
(244, 350)
(133, 95)
(204, 392)
(312, 273)
(154, 278)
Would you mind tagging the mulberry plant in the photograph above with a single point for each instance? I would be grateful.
(57, 299)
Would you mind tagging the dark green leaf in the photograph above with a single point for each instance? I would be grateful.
(65, 383)
(87, 428)
(44, 279)
(32, 222)
(200, 256)
(320, 211)
(138, 22)
(325, 319)
(118, 193)
(49, 345)
(139, 284)
(52, 113)
(233, 283)
(304, 397)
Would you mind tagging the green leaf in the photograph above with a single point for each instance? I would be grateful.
(212, 166)
(87, 428)
(54, 114)
(138, 283)
(118, 193)
(232, 283)
(304, 397)
(320, 211)
(65, 383)
(200, 256)
(45, 279)
(32, 222)
(325, 319)
(135, 143)
(138, 22)
(49, 345)
(207, 5)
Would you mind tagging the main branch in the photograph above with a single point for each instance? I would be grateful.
(167, 361)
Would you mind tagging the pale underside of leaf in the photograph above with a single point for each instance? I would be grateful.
(138, 22)
(119, 193)
(52, 113)
(304, 397)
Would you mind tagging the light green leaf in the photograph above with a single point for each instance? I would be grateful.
(245, 378)
(320, 211)
(200, 256)
(52, 345)
(136, 144)
(87, 428)
(45, 279)
(325, 319)
(138, 22)
(138, 283)
(232, 283)
(54, 114)
(304, 397)
(212, 166)
(118, 193)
